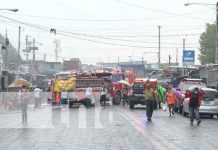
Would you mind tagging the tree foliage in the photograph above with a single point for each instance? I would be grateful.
(12, 52)
(208, 45)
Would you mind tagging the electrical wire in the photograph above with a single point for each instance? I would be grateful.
(81, 12)
(43, 28)
(158, 11)
(98, 20)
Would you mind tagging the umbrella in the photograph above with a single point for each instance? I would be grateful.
(21, 82)
(177, 93)
(124, 82)
(14, 85)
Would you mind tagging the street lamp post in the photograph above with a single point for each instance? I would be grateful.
(206, 4)
(159, 47)
(216, 57)
(10, 9)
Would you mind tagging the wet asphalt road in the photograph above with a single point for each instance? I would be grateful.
(109, 128)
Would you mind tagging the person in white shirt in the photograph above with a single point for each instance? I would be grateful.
(37, 97)
(89, 96)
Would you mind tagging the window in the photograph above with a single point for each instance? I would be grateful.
(189, 86)
(216, 95)
(210, 95)
(138, 85)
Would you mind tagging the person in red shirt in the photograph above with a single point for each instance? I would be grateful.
(195, 102)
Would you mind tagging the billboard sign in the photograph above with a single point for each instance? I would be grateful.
(188, 57)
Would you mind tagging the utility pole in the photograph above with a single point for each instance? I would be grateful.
(183, 43)
(33, 62)
(27, 48)
(177, 57)
(184, 73)
(19, 41)
(159, 47)
(34, 55)
(118, 62)
(44, 57)
(6, 50)
(216, 57)
(169, 61)
(143, 67)
(183, 50)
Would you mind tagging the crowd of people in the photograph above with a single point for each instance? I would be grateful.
(21, 97)
(169, 98)
(163, 96)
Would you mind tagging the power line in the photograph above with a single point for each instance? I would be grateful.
(96, 41)
(43, 28)
(114, 29)
(96, 20)
(158, 11)
(73, 30)
(81, 12)
(106, 37)
(101, 36)
(125, 36)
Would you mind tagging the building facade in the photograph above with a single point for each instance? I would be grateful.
(72, 64)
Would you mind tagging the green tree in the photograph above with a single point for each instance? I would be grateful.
(12, 52)
(208, 45)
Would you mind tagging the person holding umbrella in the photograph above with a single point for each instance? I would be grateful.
(125, 90)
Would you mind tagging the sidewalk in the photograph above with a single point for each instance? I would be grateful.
(30, 107)
(5, 111)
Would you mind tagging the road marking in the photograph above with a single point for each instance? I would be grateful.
(156, 140)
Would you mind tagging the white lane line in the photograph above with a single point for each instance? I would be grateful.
(154, 138)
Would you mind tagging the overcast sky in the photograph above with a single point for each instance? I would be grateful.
(105, 30)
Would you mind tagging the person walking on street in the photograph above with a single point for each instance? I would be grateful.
(37, 97)
(125, 92)
(88, 96)
(24, 103)
(103, 95)
(160, 95)
(170, 97)
(150, 97)
(194, 103)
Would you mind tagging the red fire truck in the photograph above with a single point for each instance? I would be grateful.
(78, 93)
(111, 81)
